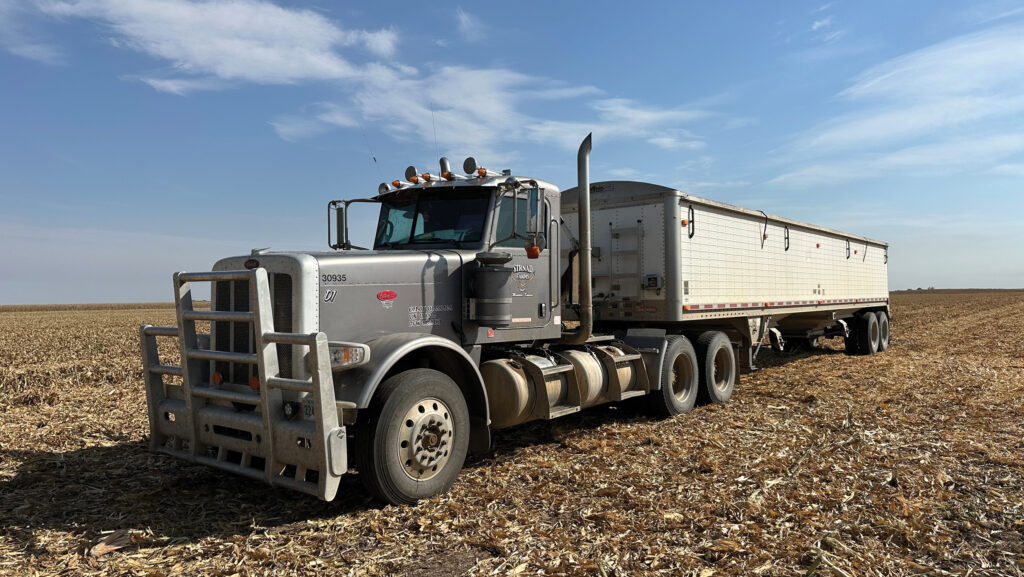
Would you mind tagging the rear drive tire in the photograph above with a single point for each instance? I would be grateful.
(867, 333)
(414, 442)
(717, 367)
(883, 331)
(680, 379)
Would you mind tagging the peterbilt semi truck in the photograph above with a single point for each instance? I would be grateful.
(488, 300)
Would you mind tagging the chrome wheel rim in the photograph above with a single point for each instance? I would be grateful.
(425, 439)
(682, 377)
(722, 369)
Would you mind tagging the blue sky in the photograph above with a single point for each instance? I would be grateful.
(140, 138)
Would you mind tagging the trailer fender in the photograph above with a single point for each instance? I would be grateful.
(394, 353)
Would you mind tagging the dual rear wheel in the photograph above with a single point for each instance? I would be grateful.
(705, 372)
(869, 334)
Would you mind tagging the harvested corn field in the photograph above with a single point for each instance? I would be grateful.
(907, 462)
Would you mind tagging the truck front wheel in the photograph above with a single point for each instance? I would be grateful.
(414, 442)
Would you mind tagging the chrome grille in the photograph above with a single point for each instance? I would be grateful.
(238, 337)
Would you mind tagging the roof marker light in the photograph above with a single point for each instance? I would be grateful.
(427, 177)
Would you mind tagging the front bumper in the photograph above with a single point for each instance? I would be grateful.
(235, 428)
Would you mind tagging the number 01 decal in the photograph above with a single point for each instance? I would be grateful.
(330, 295)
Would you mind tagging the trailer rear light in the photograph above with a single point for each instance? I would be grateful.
(217, 378)
(254, 383)
(345, 355)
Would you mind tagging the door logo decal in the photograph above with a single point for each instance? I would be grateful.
(523, 275)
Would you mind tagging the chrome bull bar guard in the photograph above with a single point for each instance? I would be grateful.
(204, 422)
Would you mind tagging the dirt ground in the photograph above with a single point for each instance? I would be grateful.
(907, 462)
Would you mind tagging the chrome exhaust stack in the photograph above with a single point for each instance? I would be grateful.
(583, 333)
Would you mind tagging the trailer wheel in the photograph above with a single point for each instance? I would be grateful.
(883, 331)
(680, 379)
(717, 367)
(867, 333)
(415, 441)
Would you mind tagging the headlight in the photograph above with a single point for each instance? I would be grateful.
(345, 355)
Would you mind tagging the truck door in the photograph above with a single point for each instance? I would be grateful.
(531, 286)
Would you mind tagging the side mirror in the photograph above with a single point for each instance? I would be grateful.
(534, 211)
(337, 240)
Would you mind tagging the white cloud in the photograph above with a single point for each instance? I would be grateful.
(16, 37)
(225, 43)
(954, 106)
(619, 118)
(1009, 169)
(231, 40)
(470, 27)
(825, 22)
(183, 86)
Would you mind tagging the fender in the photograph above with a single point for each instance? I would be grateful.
(358, 384)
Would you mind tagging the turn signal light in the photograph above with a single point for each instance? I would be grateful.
(218, 378)
(254, 383)
(348, 354)
(533, 251)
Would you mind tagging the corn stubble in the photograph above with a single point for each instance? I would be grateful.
(908, 462)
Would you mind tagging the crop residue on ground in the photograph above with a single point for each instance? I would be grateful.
(907, 462)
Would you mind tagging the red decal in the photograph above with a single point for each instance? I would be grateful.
(252, 263)
(387, 295)
(490, 332)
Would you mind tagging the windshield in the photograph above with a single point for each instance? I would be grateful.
(427, 216)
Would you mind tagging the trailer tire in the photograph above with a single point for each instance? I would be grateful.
(867, 333)
(717, 367)
(414, 442)
(883, 331)
(680, 379)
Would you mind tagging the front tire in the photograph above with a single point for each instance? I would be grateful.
(717, 367)
(680, 380)
(414, 442)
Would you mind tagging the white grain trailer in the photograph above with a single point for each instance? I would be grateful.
(666, 260)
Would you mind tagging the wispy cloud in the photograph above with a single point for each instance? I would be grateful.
(228, 43)
(232, 40)
(953, 106)
(17, 37)
(470, 27)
